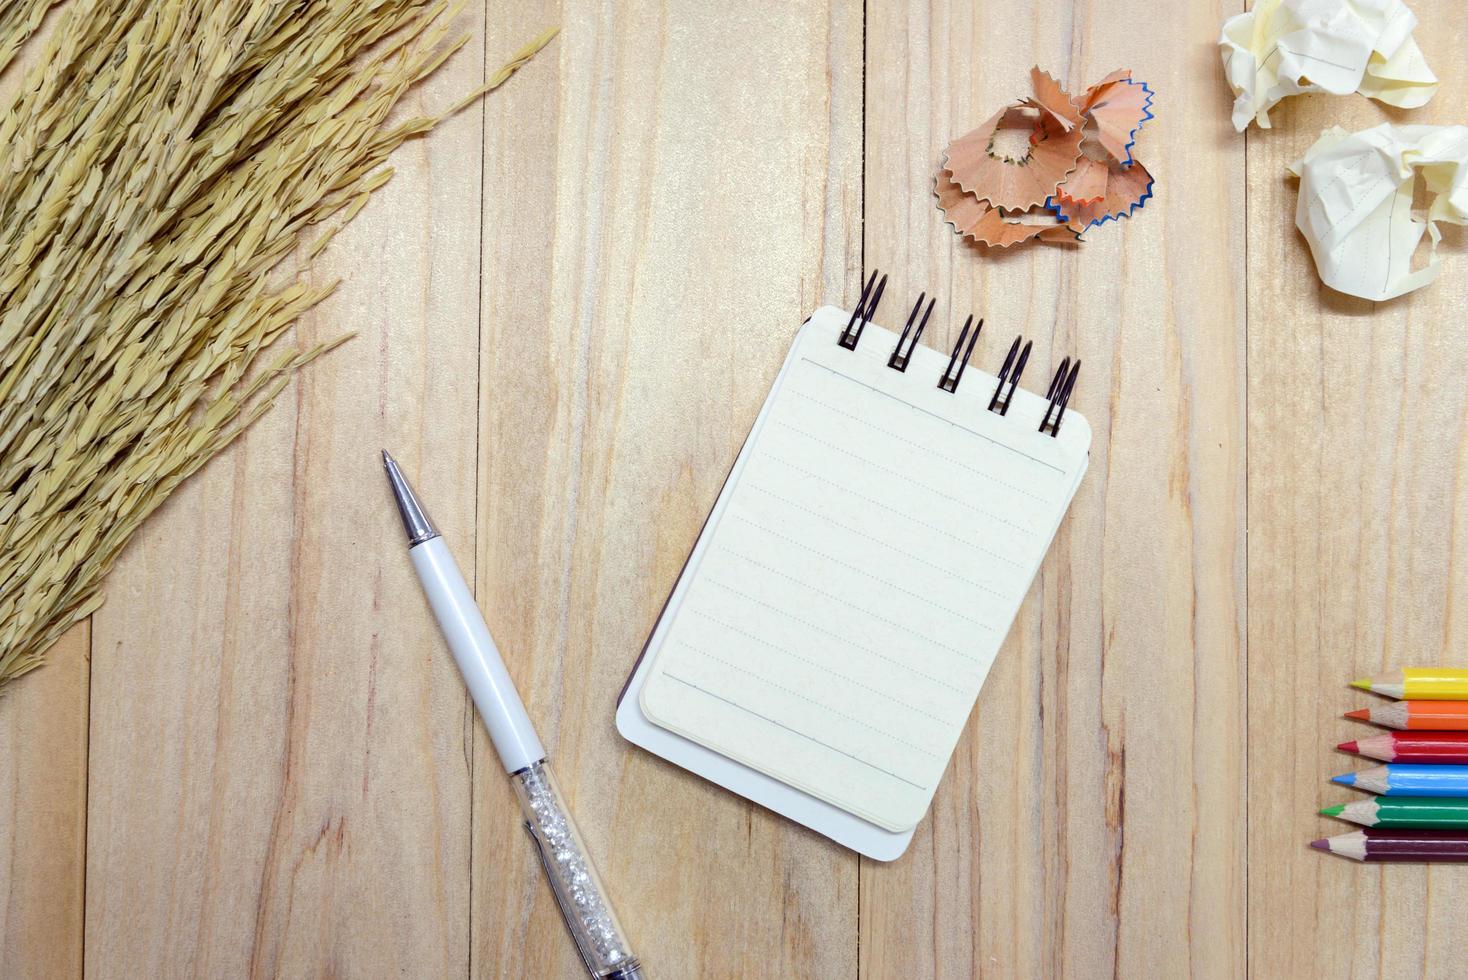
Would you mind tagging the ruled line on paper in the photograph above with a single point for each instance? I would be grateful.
(1028, 532)
(871, 575)
(946, 532)
(859, 571)
(917, 408)
(907, 440)
(885, 695)
(834, 597)
(735, 704)
(900, 627)
(834, 635)
(810, 700)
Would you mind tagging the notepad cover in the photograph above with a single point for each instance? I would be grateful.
(830, 633)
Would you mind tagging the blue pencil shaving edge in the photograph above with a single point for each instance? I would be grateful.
(1054, 206)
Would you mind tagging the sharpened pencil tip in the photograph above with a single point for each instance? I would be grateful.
(1361, 714)
(1333, 811)
(1320, 845)
(1348, 746)
(1362, 684)
(1345, 779)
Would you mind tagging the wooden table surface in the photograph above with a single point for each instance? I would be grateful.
(258, 760)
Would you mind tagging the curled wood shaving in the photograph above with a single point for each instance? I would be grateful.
(1077, 170)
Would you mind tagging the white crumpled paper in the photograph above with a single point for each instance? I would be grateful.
(1286, 47)
(1355, 206)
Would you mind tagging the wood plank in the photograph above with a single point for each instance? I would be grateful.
(280, 781)
(1357, 457)
(1091, 822)
(43, 810)
(673, 200)
(261, 803)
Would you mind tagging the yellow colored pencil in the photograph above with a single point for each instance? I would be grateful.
(1420, 684)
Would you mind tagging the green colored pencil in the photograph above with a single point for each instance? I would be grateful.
(1424, 812)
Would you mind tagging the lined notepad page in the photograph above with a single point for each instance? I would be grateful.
(862, 567)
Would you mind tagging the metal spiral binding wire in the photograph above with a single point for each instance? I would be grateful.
(1059, 394)
(950, 379)
(1018, 367)
(1061, 385)
(866, 308)
(898, 360)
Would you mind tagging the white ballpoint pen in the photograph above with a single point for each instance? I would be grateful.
(573, 878)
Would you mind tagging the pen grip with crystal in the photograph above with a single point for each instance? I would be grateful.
(573, 878)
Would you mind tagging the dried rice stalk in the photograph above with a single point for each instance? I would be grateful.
(158, 162)
(18, 21)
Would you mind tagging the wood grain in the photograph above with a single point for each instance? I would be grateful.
(692, 187)
(570, 303)
(1357, 460)
(43, 812)
(280, 766)
(1090, 824)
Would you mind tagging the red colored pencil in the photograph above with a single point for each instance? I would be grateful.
(1444, 747)
(1398, 845)
(1437, 715)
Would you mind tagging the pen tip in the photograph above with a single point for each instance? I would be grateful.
(415, 518)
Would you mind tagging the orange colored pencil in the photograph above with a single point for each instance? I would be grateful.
(1443, 716)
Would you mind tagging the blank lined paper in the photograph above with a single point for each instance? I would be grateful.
(861, 572)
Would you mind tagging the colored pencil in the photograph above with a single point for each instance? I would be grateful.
(1409, 780)
(1397, 845)
(1437, 715)
(1421, 812)
(1420, 684)
(1436, 747)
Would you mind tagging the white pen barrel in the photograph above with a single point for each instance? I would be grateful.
(479, 659)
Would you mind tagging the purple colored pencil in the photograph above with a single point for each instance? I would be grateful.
(1398, 845)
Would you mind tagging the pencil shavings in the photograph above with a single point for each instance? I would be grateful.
(1071, 166)
(1051, 98)
(1086, 184)
(976, 220)
(1118, 106)
(1124, 190)
(1287, 47)
(1015, 184)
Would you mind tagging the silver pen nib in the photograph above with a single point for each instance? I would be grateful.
(415, 518)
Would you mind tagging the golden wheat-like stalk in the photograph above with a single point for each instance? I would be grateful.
(18, 21)
(161, 158)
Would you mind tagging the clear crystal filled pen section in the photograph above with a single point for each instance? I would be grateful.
(573, 877)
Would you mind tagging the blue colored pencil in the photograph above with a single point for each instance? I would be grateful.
(1409, 780)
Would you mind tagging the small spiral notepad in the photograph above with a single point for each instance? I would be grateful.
(826, 641)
